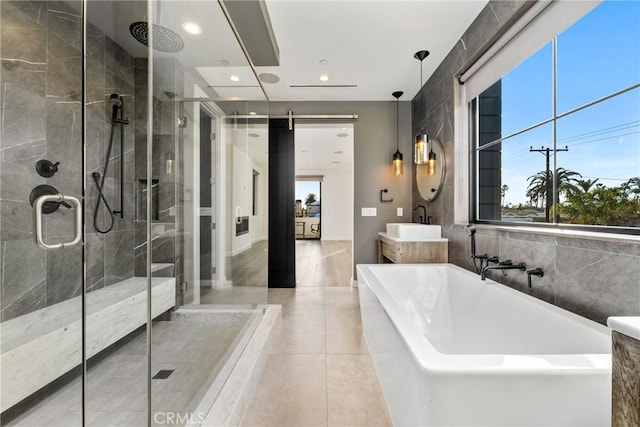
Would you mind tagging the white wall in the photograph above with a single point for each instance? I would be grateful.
(336, 202)
(241, 197)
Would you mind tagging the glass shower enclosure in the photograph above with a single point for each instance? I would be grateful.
(133, 202)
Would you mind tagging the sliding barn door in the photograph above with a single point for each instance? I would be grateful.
(282, 243)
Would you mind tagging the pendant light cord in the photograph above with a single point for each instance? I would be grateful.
(397, 120)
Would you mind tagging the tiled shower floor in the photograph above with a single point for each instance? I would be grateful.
(193, 346)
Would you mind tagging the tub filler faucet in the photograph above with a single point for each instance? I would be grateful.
(504, 265)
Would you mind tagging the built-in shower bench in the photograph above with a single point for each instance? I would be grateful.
(39, 347)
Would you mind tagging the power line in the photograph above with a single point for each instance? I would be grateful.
(603, 130)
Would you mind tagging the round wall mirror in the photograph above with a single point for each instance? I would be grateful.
(429, 185)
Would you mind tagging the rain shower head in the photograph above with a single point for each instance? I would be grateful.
(164, 39)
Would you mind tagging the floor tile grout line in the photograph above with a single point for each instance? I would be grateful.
(326, 356)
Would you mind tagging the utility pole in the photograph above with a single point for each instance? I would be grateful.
(548, 182)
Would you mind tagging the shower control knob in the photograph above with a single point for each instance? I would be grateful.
(46, 169)
(47, 190)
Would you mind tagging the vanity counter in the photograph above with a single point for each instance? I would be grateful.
(412, 250)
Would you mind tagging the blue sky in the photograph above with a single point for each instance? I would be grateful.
(305, 187)
(597, 56)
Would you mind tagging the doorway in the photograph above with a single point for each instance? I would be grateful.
(324, 186)
(308, 207)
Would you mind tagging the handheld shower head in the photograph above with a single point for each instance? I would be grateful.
(116, 103)
(115, 100)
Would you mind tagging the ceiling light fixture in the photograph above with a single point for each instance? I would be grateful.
(342, 135)
(324, 78)
(192, 28)
(234, 78)
(420, 154)
(397, 156)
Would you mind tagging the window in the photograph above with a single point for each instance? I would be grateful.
(557, 138)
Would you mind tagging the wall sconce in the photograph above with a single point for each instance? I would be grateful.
(397, 156)
(420, 154)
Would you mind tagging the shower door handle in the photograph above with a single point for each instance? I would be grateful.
(38, 205)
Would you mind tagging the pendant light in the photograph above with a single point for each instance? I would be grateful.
(420, 155)
(397, 156)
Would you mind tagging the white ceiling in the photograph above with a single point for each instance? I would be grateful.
(368, 43)
(322, 146)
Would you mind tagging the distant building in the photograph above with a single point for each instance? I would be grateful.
(313, 209)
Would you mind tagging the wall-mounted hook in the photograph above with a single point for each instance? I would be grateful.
(382, 200)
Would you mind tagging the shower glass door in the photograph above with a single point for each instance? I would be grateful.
(41, 139)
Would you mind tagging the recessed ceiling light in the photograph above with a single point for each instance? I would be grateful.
(191, 28)
(338, 152)
(254, 135)
(324, 78)
(304, 151)
(224, 62)
(323, 62)
(269, 78)
(342, 135)
(335, 163)
(252, 113)
(234, 78)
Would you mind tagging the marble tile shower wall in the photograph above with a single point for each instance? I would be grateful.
(593, 278)
(40, 87)
(167, 229)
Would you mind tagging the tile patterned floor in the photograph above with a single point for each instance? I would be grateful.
(194, 348)
(319, 372)
(323, 262)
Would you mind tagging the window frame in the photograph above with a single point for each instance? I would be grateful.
(467, 118)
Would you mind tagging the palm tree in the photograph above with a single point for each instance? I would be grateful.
(585, 185)
(311, 197)
(540, 183)
(633, 186)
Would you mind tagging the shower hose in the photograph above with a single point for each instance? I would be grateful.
(116, 104)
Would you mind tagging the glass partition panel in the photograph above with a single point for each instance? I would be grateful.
(209, 133)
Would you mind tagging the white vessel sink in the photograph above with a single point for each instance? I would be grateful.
(410, 230)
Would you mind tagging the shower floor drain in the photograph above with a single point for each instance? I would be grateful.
(163, 374)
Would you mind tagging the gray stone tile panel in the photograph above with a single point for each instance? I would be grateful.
(64, 274)
(597, 284)
(24, 269)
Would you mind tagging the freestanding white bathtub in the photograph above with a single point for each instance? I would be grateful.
(452, 350)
